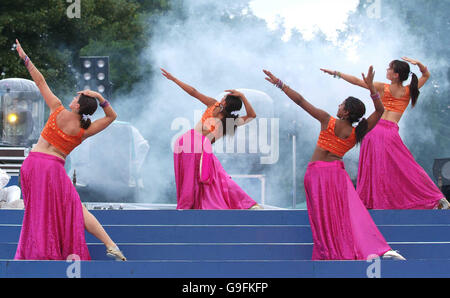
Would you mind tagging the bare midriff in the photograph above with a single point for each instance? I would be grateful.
(45, 147)
(391, 116)
(324, 155)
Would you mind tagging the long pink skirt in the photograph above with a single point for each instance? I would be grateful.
(342, 228)
(388, 175)
(210, 188)
(53, 224)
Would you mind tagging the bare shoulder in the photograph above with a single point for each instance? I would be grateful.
(56, 107)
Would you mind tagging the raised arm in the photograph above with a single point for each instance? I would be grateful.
(248, 108)
(353, 80)
(50, 99)
(189, 89)
(375, 95)
(423, 69)
(102, 123)
(319, 114)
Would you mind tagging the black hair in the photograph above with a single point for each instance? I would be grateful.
(356, 109)
(403, 71)
(88, 106)
(233, 103)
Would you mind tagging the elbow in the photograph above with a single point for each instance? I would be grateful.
(112, 117)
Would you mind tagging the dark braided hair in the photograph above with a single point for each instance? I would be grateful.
(234, 103)
(356, 109)
(88, 106)
(403, 71)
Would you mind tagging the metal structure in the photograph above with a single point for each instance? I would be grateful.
(108, 166)
(21, 121)
(95, 75)
(441, 172)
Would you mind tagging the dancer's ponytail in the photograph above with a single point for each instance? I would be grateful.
(361, 130)
(403, 71)
(233, 103)
(229, 119)
(85, 123)
(356, 109)
(88, 106)
(414, 89)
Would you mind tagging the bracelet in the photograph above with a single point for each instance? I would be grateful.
(26, 61)
(104, 104)
(279, 84)
(375, 96)
(337, 74)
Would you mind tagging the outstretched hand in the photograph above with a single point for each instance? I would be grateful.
(19, 50)
(412, 61)
(89, 93)
(369, 78)
(234, 92)
(167, 74)
(327, 71)
(270, 77)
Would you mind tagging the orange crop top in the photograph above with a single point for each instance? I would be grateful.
(57, 138)
(330, 142)
(208, 120)
(394, 104)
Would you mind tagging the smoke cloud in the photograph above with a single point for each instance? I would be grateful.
(214, 46)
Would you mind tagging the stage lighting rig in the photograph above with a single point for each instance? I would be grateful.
(95, 75)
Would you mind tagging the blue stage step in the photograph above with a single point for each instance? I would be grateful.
(239, 234)
(201, 243)
(239, 217)
(229, 252)
(226, 270)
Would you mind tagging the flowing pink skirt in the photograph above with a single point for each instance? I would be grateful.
(388, 175)
(53, 224)
(341, 226)
(210, 188)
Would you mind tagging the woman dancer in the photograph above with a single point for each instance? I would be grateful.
(54, 220)
(341, 226)
(201, 181)
(388, 175)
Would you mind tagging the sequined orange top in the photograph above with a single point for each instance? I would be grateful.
(208, 120)
(394, 104)
(330, 142)
(57, 138)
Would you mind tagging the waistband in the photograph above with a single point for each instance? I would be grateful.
(387, 123)
(327, 164)
(46, 156)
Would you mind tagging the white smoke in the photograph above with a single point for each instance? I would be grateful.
(215, 47)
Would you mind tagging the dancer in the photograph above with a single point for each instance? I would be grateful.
(54, 219)
(388, 175)
(341, 226)
(201, 181)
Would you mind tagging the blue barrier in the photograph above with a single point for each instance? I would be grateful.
(235, 243)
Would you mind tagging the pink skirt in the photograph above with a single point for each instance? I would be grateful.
(388, 175)
(201, 181)
(341, 226)
(53, 223)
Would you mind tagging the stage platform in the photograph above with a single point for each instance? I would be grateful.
(235, 244)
